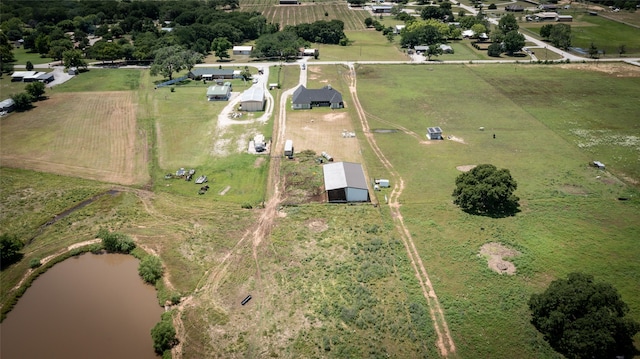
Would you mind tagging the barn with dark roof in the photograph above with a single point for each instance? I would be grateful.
(304, 98)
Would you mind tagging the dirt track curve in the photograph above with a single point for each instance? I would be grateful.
(444, 341)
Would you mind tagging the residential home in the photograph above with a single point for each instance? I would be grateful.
(208, 73)
(304, 98)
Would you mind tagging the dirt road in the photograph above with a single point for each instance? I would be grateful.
(444, 340)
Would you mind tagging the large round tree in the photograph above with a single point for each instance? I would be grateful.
(584, 319)
(486, 190)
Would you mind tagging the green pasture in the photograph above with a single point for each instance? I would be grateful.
(365, 45)
(605, 34)
(102, 80)
(22, 56)
(570, 219)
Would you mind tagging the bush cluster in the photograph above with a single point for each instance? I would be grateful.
(116, 242)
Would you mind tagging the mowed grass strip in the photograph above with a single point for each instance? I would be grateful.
(89, 135)
(102, 80)
(571, 217)
(367, 45)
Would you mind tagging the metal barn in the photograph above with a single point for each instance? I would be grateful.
(345, 182)
(253, 99)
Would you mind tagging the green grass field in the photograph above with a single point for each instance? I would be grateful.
(605, 34)
(571, 219)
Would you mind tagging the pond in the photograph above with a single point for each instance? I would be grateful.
(89, 306)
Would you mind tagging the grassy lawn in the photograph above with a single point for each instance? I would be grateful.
(22, 56)
(102, 80)
(571, 219)
(188, 136)
(365, 45)
(605, 34)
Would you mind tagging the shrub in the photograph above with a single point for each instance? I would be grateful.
(163, 335)
(150, 269)
(34, 263)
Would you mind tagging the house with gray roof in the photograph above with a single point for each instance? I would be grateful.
(304, 98)
(345, 182)
(209, 73)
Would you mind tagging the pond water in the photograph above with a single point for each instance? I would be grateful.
(89, 306)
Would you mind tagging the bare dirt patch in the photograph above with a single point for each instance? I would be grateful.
(573, 189)
(456, 139)
(258, 162)
(613, 69)
(495, 254)
(317, 225)
(88, 135)
(321, 131)
(466, 168)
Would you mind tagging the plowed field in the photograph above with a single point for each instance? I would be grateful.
(88, 135)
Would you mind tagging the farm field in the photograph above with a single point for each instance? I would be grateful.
(605, 34)
(310, 12)
(571, 219)
(367, 45)
(88, 135)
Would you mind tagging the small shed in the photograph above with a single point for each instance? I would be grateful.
(288, 148)
(434, 133)
(219, 93)
(564, 18)
(72, 71)
(345, 182)
(242, 50)
(309, 52)
(253, 99)
(598, 164)
(273, 85)
(446, 49)
(398, 28)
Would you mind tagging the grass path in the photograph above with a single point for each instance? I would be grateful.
(444, 341)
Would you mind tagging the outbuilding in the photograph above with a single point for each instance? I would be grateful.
(19, 76)
(289, 2)
(564, 18)
(446, 49)
(253, 99)
(381, 9)
(434, 133)
(242, 50)
(219, 93)
(345, 182)
(46, 77)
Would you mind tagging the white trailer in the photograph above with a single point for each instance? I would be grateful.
(288, 149)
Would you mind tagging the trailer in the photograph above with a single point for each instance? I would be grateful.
(288, 149)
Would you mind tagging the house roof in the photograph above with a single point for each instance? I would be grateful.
(445, 47)
(242, 48)
(23, 73)
(200, 71)
(254, 93)
(45, 75)
(434, 130)
(421, 47)
(342, 175)
(217, 90)
(546, 14)
(303, 95)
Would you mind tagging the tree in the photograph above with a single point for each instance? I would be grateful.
(560, 36)
(433, 50)
(584, 319)
(220, 47)
(150, 269)
(593, 51)
(163, 335)
(6, 53)
(22, 100)
(29, 66)
(73, 58)
(168, 60)
(106, 51)
(10, 247)
(545, 30)
(508, 23)
(478, 29)
(486, 190)
(513, 41)
(368, 22)
(35, 89)
(495, 49)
